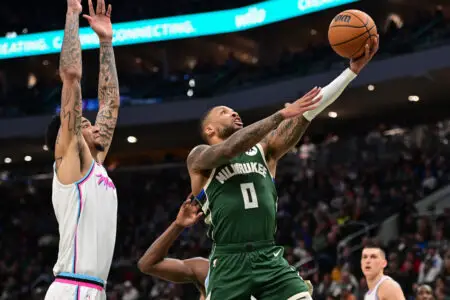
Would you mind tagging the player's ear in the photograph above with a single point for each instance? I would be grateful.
(209, 131)
(384, 263)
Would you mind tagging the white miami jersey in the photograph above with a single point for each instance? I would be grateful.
(86, 212)
(373, 294)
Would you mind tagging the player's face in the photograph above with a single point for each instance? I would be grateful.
(224, 121)
(372, 262)
(91, 135)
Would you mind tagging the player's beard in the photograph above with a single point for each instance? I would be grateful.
(226, 132)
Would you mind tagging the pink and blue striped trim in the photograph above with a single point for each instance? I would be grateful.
(78, 284)
(80, 207)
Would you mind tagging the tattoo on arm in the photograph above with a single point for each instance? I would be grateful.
(108, 95)
(286, 136)
(71, 111)
(206, 157)
(70, 71)
(70, 59)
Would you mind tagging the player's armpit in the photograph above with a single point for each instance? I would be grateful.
(174, 270)
(390, 290)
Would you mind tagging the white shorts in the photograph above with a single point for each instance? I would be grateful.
(73, 289)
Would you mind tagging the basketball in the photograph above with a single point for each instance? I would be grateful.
(350, 31)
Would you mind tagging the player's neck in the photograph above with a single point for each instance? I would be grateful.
(95, 153)
(215, 140)
(372, 282)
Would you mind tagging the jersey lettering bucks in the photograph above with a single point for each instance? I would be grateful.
(239, 200)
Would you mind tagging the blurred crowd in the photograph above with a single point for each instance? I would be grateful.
(205, 77)
(327, 190)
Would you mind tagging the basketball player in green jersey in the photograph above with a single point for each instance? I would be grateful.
(233, 178)
(192, 270)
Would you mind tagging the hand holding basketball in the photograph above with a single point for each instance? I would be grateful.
(356, 65)
(350, 32)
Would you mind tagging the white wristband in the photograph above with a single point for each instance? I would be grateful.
(331, 92)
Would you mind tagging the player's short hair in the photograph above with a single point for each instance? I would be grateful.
(202, 123)
(52, 132)
(373, 245)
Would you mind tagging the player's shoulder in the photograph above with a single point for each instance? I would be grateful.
(196, 151)
(390, 289)
(199, 148)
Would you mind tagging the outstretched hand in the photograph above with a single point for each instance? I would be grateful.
(100, 20)
(306, 103)
(356, 65)
(189, 214)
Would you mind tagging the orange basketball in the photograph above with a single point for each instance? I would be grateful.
(350, 31)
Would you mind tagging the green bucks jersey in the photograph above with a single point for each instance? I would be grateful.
(239, 200)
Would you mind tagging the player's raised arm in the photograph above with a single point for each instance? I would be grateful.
(108, 85)
(70, 70)
(154, 263)
(206, 157)
(288, 134)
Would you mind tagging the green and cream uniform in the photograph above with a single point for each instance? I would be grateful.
(240, 204)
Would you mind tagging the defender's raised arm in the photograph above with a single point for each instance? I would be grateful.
(108, 85)
(70, 70)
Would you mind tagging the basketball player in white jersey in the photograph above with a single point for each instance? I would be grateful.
(381, 287)
(84, 197)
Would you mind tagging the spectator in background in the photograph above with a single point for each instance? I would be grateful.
(130, 292)
(307, 151)
(407, 277)
(431, 266)
(348, 286)
(445, 275)
(439, 291)
(412, 260)
(423, 232)
(429, 183)
(347, 293)
(300, 252)
(326, 287)
(424, 292)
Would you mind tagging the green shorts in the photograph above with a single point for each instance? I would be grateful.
(258, 269)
